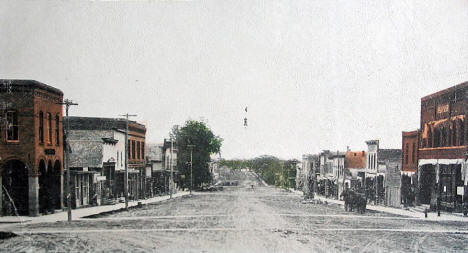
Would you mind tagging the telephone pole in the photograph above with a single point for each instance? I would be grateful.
(67, 104)
(191, 146)
(171, 176)
(127, 148)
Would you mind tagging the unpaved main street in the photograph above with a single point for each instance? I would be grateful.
(241, 219)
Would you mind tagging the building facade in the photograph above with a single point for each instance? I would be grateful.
(97, 160)
(380, 162)
(409, 180)
(355, 167)
(31, 148)
(442, 148)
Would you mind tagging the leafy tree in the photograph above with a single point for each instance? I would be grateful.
(199, 138)
(271, 169)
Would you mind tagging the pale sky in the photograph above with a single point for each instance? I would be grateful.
(314, 74)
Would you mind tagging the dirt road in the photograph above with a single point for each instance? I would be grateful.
(241, 219)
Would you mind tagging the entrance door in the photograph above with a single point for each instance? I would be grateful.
(427, 183)
(15, 188)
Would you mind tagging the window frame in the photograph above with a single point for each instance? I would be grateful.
(41, 127)
(14, 126)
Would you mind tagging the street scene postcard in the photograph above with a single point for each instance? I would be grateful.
(237, 126)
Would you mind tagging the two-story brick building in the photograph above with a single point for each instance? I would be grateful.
(409, 179)
(31, 151)
(442, 147)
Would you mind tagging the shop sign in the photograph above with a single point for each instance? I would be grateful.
(442, 108)
(49, 151)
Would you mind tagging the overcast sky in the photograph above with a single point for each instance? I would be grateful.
(314, 74)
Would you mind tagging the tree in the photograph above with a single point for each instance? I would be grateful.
(204, 143)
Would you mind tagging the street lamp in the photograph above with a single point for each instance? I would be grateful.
(191, 146)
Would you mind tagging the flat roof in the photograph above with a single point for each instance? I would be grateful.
(445, 91)
(29, 84)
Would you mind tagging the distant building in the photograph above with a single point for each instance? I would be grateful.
(355, 167)
(307, 176)
(97, 160)
(338, 164)
(409, 179)
(170, 160)
(160, 175)
(31, 147)
(379, 162)
(326, 180)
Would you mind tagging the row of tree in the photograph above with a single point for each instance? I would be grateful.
(195, 138)
(272, 170)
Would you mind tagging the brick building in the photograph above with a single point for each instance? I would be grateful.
(355, 166)
(410, 146)
(442, 147)
(31, 151)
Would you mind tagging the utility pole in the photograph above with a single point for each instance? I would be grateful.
(171, 177)
(67, 104)
(191, 146)
(127, 148)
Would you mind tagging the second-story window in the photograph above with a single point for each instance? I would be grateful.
(57, 130)
(41, 127)
(49, 128)
(133, 150)
(128, 150)
(406, 153)
(142, 150)
(12, 126)
(413, 154)
(138, 149)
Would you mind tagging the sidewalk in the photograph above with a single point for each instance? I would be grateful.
(81, 212)
(432, 216)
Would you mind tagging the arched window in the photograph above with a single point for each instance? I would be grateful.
(12, 126)
(41, 127)
(57, 130)
(49, 128)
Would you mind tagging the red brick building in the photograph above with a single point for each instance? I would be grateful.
(442, 147)
(410, 148)
(31, 151)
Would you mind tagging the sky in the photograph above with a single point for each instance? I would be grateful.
(314, 74)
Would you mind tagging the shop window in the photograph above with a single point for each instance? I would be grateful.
(41, 127)
(57, 130)
(12, 126)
